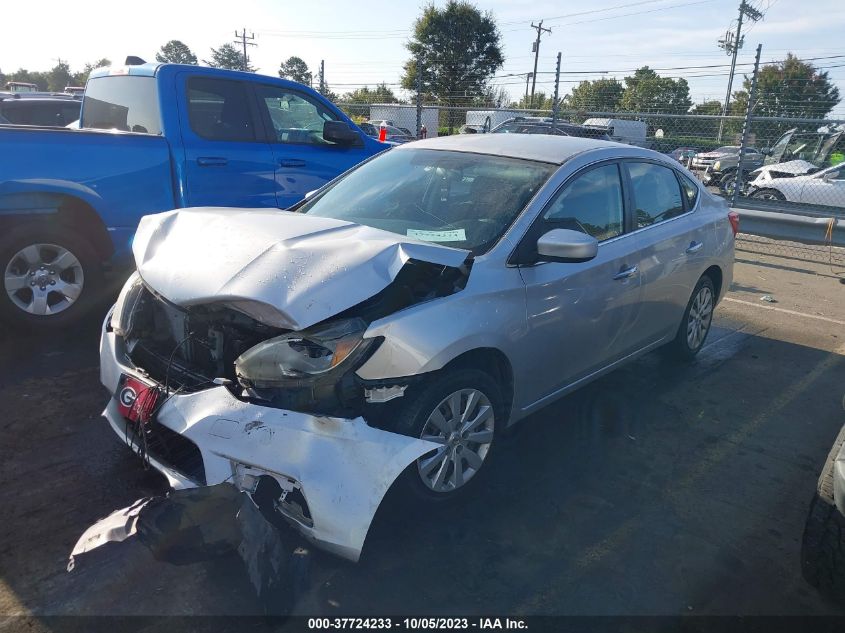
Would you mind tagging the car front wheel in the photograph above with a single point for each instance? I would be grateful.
(460, 412)
(768, 194)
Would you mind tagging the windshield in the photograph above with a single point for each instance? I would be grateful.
(452, 198)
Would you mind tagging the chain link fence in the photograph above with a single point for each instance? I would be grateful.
(787, 180)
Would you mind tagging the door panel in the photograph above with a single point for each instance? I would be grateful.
(304, 160)
(225, 164)
(829, 193)
(581, 315)
(674, 243)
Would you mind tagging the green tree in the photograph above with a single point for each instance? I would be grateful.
(295, 69)
(81, 77)
(541, 102)
(380, 94)
(601, 95)
(30, 77)
(227, 56)
(646, 91)
(459, 49)
(176, 52)
(59, 77)
(791, 88)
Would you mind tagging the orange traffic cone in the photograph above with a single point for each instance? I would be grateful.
(382, 132)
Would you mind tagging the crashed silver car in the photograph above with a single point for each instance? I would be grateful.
(394, 323)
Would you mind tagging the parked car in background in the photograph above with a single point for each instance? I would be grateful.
(683, 154)
(472, 129)
(76, 91)
(824, 188)
(55, 111)
(20, 87)
(490, 276)
(154, 137)
(823, 544)
(525, 125)
(369, 129)
(718, 167)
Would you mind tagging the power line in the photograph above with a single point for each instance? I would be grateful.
(243, 39)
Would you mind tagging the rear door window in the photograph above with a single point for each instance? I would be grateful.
(657, 193)
(218, 110)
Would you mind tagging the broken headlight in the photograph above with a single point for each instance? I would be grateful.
(127, 301)
(297, 355)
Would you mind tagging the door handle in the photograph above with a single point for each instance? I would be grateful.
(212, 161)
(626, 273)
(291, 162)
(694, 247)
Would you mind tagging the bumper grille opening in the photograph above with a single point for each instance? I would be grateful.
(171, 449)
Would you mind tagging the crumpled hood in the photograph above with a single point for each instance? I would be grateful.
(792, 167)
(284, 269)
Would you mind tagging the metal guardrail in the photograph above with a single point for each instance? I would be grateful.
(805, 227)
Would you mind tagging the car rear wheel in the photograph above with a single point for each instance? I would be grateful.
(695, 326)
(768, 194)
(461, 412)
(48, 274)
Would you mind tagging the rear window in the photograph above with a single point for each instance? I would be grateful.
(127, 103)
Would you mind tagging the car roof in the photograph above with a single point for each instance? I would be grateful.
(537, 147)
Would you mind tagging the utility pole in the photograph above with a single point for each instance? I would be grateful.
(528, 77)
(242, 39)
(731, 43)
(555, 104)
(323, 77)
(536, 50)
(419, 96)
(746, 128)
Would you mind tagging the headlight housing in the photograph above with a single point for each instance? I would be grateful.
(124, 310)
(717, 165)
(292, 357)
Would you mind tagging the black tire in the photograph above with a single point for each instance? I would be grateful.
(411, 417)
(768, 194)
(726, 180)
(680, 348)
(823, 544)
(92, 273)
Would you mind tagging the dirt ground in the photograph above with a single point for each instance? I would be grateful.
(657, 490)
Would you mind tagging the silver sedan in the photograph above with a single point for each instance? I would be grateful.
(395, 322)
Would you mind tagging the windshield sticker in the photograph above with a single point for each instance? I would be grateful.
(456, 235)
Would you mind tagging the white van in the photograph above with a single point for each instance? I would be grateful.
(622, 130)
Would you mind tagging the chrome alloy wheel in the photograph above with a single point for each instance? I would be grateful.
(43, 279)
(700, 315)
(463, 424)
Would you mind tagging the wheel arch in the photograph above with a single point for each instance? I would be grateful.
(57, 208)
(716, 276)
(491, 361)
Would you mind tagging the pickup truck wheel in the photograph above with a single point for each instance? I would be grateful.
(48, 276)
(823, 544)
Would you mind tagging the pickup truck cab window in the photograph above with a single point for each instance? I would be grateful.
(218, 109)
(657, 193)
(295, 118)
(128, 104)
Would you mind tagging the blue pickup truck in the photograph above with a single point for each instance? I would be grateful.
(153, 137)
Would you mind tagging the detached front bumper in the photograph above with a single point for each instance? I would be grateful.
(342, 467)
(839, 480)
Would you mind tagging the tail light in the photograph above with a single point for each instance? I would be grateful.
(733, 218)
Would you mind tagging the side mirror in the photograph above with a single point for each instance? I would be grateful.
(831, 175)
(340, 133)
(566, 245)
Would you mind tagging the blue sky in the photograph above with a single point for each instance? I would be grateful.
(362, 43)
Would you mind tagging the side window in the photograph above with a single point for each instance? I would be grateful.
(657, 194)
(690, 190)
(294, 116)
(218, 110)
(592, 204)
